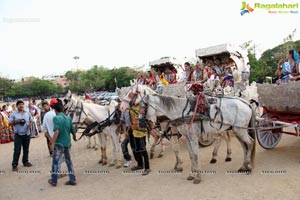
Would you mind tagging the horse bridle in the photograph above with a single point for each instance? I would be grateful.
(70, 111)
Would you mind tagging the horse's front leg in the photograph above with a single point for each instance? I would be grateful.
(116, 149)
(162, 149)
(175, 148)
(102, 141)
(247, 145)
(89, 145)
(96, 146)
(193, 146)
(153, 134)
(152, 149)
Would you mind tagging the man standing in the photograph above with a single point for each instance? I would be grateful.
(21, 121)
(125, 119)
(61, 143)
(48, 125)
(139, 144)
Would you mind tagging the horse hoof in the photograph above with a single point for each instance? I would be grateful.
(118, 166)
(178, 169)
(245, 170)
(96, 148)
(197, 181)
(151, 155)
(213, 161)
(104, 163)
(160, 155)
(248, 171)
(111, 165)
(190, 178)
(100, 161)
(88, 147)
(228, 160)
(242, 169)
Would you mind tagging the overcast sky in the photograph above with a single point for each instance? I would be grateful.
(39, 37)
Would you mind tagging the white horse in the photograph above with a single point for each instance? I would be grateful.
(136, 92)
(238, 116)
(89, 112)
(250, 94)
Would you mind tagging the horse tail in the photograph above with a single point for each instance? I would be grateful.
(252, 134)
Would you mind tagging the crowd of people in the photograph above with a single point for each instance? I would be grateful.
(7, 131)
(20, 122)
(57, 128)
(221, 69)
(288, 68)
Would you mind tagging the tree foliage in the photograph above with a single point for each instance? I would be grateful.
(100, 78)
(266, 65)
(32, 87)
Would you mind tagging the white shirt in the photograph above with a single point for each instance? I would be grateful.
(48, 125)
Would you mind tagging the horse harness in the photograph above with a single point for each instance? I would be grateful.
(78, 110)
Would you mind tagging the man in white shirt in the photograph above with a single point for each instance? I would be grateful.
(48, 125)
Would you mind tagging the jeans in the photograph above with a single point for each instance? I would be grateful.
(57, 160)
(21, 140)
(140, 153)
(125, 152)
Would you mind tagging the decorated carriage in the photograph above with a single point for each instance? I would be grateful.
(168, 69)
(238, 62)
(281, 110)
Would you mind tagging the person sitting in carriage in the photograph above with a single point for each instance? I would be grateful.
(150, 79)
(293, 59)
(227, 71)
(200, 75)
(218, 67)
(171, 76)
(208, 67)
(214, 75)
(283, 71)
(140, 78)
(188, 73)
(160, 78)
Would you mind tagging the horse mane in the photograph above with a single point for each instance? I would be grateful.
(167, 101)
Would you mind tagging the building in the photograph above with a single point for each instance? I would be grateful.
(59, 79)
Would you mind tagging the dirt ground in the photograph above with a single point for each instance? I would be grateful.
(110, 183)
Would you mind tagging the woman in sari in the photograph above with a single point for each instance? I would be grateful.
(34, 132)
(228, 74)
(294, 60)
(6, 130)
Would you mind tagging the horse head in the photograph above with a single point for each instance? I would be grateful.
(134, 95)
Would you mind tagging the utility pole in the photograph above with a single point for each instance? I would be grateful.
(76, 60)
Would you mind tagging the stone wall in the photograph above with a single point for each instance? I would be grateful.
(284, 97)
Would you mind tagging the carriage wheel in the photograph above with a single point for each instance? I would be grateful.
(268, 139)
(206, 143)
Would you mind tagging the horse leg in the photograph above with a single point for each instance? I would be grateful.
(152, 149)
(96, 146)
(162, 150)
(216, 149)
(102, 141)
(179, 162)
(192, 141)
(247, 145)
(89, 145)
(116, 150)
(228, 141)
